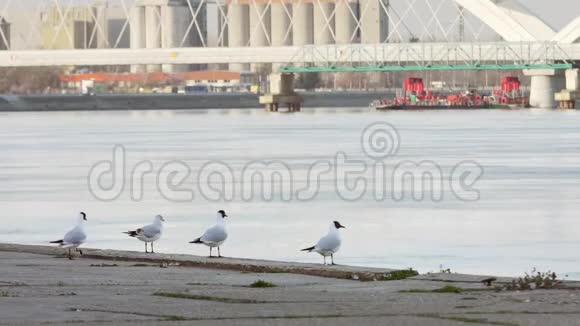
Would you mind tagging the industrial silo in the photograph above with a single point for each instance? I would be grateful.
(323, 22)
(302, 30)
(137, 36)
(281, 32)
(259, 28)
(238, 30)
(374, 21)
(345, 21)
(153, 32)
(175, 20)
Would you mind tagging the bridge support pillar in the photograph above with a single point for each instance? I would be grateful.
(545, 83)
(281, 91)
(569, 98)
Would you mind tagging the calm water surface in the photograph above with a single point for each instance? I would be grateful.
(528, 214)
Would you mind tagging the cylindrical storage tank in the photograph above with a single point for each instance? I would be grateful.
(153, 32)
(345, 22)
(281, 32)
(137, 33)
(238, 30)
(259, 29)
(103, 28)
(168, 33)
(374, 21)
(302, 29)
(175, 20)
(259, 24)
(323, 23)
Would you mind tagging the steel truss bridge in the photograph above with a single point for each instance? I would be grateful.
(353, 57)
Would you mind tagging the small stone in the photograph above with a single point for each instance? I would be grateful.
(355, 277)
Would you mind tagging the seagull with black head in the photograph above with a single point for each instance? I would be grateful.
(216, 235)
(329, 244)
(75, 237)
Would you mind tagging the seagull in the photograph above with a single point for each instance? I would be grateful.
(216, 235)
(329, 244)
(75, 237)
(149, 233)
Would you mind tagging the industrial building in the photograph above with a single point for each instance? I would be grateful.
(4, 34)
(258, 23)
(77, 28)
(159, 82)
(167, 24)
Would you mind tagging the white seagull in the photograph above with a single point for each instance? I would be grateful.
(329, 244)
(216, 235)
(149, 233)
(75, 237)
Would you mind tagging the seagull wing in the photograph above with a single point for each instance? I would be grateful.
(75, 236)
(329, 242)
(214, 234)
(151, 230)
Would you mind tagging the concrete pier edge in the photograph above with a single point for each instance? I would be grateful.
(344, 272)
(225, 263)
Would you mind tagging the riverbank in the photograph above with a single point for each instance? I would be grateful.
(104, 102)
(39, 286)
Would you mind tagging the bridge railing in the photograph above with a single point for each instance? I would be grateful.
(430, 55)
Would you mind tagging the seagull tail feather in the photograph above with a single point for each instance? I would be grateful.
(198, 240)
(131, 233)
(308, 249)
(58, 241)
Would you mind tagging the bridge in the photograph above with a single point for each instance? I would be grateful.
(352, 57)
(83, 32)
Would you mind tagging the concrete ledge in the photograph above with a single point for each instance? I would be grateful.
(233, 264)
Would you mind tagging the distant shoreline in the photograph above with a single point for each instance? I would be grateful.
(130, 102)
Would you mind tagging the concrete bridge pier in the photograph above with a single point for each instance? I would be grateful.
(569, 98)
(281, 92)
(545, 83)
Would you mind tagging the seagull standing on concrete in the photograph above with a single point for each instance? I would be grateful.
(149, 233)
(75, 237)
(329, 244)
(216, 235)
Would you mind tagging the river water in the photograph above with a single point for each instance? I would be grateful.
(522, 212)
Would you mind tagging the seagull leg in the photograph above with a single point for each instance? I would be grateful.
(210, 248)
(219, 254)
(69, 254)
(80, 251)
(324, 260)
(146, 248)
(332, 259)
(152, 248)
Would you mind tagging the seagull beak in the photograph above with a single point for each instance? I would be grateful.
(225, 215)
(342, 227)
